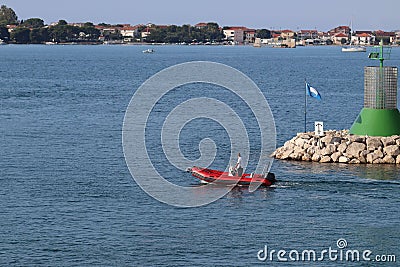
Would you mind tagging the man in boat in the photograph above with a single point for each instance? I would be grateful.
(238, 166)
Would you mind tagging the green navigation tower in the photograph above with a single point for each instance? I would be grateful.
(380, 116)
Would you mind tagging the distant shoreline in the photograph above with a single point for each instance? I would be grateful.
(170, 44)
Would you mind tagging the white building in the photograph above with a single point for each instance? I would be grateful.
(235, 34)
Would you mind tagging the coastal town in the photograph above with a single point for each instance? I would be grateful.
(35, 31)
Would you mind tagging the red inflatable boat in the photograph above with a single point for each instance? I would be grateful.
(215, 176)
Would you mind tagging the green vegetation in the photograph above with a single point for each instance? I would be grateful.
(4, 34)
(7, 16)
(35, 31)
(185, 34)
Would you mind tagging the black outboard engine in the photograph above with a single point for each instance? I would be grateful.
(271, 177)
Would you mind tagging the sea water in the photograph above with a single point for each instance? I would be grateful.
(67, 197)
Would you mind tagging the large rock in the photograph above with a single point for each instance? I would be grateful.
(357, 138)
(286, 154)
(336, 139)
(372, 157)
(379, 152)
(343, 159)
(306, 157)
(388, 141)
(316, 158)
(392, 150)
(388, 160)
(325, 159)
(296, 156)
(304, 136)
(300, 142)
(355, 161)
(335, 156)
(342, 147)
(373, 143)
(311, 150)
(326, 139)
(354, 149)
(362, 159)
(328, 150)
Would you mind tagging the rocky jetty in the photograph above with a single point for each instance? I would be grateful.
(341, 147)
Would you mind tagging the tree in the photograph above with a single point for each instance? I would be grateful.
(21, 35)
(38, 36)
(7, 16)
(4, 34)
(64, 33)
(91, 32)
(263, 34)
(62, 22)
(33, 23)
(88, 24)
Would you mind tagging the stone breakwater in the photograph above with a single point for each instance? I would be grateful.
(341, 147)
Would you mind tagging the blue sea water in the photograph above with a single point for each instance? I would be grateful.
(67, 197)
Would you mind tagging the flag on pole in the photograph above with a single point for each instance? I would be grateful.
(311, 91)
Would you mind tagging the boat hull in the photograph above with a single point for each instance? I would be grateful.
(354, 49)
(219, 177)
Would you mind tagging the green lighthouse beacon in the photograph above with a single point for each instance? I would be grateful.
(379, 116)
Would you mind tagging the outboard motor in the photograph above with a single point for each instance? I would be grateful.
(270, 177)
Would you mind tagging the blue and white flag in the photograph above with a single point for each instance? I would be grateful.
(311, 91)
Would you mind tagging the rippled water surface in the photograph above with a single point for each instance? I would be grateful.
(67, 197)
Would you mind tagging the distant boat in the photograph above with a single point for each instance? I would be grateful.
(2, 42)
(354, 48)
(148, 51)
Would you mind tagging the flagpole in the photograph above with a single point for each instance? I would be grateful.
(305, 106)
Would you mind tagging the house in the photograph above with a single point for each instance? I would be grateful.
(147, 31)
(362, 38)
(397, 37)
(287, 34)
(107, 29)
(200, 25)
(235, 34)
(250, 35)
(129, 31)
(340, 29)
(77, 24)
(387, 37)
(307, 34)
(340, 38)
(11, 28)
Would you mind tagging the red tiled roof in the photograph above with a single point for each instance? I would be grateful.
(129, 28)
(286, 31)
(238, 28)
(201, 24)
(383, 33)
(341, 35)
(363, 35)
